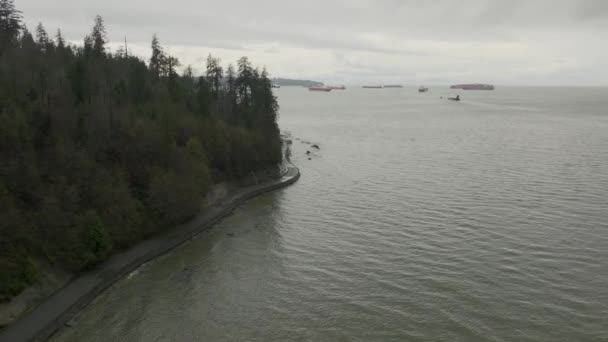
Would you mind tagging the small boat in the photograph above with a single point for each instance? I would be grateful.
(457, 98)
(325, 89)
(423, 89)
(276, 86)
(474, 86)
(373, 87)
(393, 86)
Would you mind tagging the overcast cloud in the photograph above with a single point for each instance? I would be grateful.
(541, 42)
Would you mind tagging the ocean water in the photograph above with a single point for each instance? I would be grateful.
(419, 219)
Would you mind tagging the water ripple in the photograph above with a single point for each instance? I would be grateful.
(416, 221)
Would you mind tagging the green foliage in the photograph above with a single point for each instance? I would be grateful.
(214, 75)
(98, 36)
(171, 197)
(18, 272)
(96, 243)
(59, 39)
(98, 150)
(10, 24)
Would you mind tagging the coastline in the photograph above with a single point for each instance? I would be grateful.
(44, 320)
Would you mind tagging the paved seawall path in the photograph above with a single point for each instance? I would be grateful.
(58, 309)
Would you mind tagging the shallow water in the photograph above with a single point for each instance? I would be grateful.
(419, 219)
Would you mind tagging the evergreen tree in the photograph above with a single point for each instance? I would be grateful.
(268, 102)
(169, 63)
(203, 97)
(244, 83)
(188, 73)
(59, 39)
(88, 45)
(98, 37)
(157, 56)
(42, 38)
(214, 75)
(230, 79)
(10, 23)
(188, 80)
(27, 40)
(230, 91)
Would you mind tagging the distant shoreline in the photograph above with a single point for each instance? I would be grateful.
(286, 82)
(57, 310)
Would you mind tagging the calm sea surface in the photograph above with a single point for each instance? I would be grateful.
(420, 219)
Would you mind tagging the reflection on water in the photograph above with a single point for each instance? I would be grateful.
(418, 220)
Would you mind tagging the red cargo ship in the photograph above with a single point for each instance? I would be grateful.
(319, 88)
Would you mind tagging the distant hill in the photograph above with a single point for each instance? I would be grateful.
(285, 82)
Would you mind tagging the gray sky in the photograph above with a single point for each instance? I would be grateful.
(540, 42)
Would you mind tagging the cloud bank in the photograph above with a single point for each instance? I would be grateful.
(536, 42)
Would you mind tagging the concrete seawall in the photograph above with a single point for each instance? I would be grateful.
(58, 309)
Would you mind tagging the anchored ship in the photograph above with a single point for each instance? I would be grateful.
(326, 89)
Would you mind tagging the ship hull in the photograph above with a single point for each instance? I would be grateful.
(322, 89)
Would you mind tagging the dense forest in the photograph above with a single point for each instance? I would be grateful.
(99, 150)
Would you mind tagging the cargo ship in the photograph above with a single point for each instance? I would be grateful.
(372, 86)
(474, 86)
(341, 87)
(326, 89)
(393, 86)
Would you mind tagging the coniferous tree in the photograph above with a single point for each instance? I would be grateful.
(268, 102)
(188, 80)
(230, 79)
(230, 91)
(27, 40)
(10, 23)
(214, 75)
(59, 39)
(203, 96)
(42, 38)
(157, 56)
(98, 37)
(244, 87)
(169, 63)
(88, 45)
(188, 73)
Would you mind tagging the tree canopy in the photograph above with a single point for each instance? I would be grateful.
(10, 23)
(100, 150)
